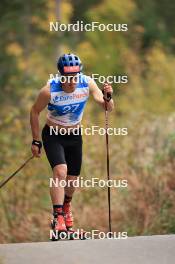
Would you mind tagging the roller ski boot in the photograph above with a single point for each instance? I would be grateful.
(58, 227)
(68, 217)
(71, 233)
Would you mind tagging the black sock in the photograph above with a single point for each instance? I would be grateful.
(57, 208)
(67, 199)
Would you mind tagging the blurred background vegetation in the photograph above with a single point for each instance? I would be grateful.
(146, 157)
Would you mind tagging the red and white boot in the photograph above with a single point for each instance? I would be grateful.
(68, 215)
(72, 234)
(58, 226)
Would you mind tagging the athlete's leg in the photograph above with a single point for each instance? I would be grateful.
(56, 157)
(73, 155)
(57, 190)
(70, 187)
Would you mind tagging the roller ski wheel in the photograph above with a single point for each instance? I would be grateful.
(74, 234)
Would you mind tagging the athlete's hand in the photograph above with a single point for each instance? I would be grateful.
(36, 151)
(107, 90)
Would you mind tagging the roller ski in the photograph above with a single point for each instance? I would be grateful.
(76, 234)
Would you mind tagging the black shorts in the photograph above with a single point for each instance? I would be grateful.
(63, 149)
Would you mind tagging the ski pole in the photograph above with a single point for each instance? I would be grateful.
(3, 182)
(107, 162)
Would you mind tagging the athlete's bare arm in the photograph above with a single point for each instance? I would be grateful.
(98, 95)
(40, 103)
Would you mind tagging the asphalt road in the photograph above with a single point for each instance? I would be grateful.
(135, 250)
